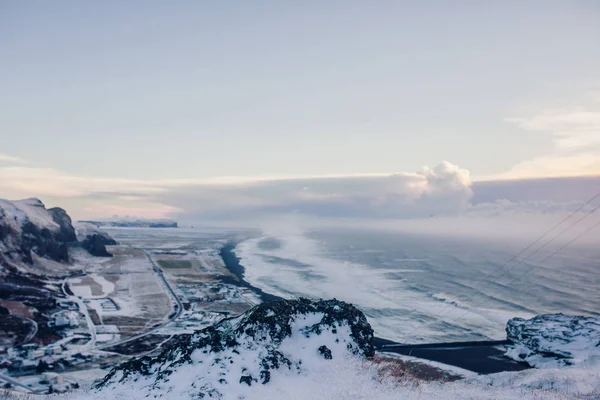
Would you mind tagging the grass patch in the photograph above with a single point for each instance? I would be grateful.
(175, 263)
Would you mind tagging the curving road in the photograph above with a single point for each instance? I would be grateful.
(16, 383)
(159, 271)
(86, 314)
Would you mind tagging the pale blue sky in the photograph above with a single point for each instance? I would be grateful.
(112, 95)
(194, 89)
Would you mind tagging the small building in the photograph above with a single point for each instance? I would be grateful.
(35, 353)
(53, 378)
(4, 363)
(66, 319)
(13, 353)
(53, 350)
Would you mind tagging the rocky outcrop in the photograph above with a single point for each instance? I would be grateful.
(67, 232)
(554, 340)
(96, 244)
(44, 242)
(248, 349)
(93, 239)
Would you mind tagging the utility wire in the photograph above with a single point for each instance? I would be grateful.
(591, 228)
(542, 247)
(539, 239)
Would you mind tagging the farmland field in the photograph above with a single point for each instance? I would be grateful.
(175, 263)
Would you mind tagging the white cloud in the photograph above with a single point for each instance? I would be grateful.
(442, 189)
(5, 158)
(445, 189)
(576, 138)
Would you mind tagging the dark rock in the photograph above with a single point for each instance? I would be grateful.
(325, 352)
(67, 232)
(265, 376)
(246, 379)
(43, 242)
(96, 243)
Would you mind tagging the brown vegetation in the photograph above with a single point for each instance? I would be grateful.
(411, 370)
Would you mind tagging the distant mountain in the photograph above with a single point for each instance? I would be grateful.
(135, 223)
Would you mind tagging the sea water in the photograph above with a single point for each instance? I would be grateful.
(417, 288)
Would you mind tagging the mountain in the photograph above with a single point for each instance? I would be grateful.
(28, 229)
(272, 338)
(135, 223)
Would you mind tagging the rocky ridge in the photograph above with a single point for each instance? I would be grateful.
(286, 335)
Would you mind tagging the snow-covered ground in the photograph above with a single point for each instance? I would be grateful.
(555, 340)
(348, 378)
(212, 364)
(572, 381)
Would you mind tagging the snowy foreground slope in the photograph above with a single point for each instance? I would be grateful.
(303, 349)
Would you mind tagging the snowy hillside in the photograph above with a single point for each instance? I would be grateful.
(18, 213)
(302, 349)
(264, 344)
(311, 350)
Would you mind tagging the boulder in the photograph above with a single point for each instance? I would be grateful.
(554, 340)
(96, 243)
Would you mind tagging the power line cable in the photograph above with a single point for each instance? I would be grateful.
(591, 228)
(530, 245)
(537, 250)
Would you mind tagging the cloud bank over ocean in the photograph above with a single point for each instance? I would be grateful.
(441, 191)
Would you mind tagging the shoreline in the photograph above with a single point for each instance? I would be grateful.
(483, 357)
(232, 263)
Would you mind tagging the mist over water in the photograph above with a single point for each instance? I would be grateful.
(418, 288)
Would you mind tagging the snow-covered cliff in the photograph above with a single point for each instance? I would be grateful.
(29, 229)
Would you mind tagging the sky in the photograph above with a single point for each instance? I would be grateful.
(330, 107)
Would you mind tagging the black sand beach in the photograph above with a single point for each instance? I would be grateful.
(483, 357)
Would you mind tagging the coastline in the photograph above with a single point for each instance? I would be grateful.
(483, 357)
(232, 262)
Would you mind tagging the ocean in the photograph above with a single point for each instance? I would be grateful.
(417, 288)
